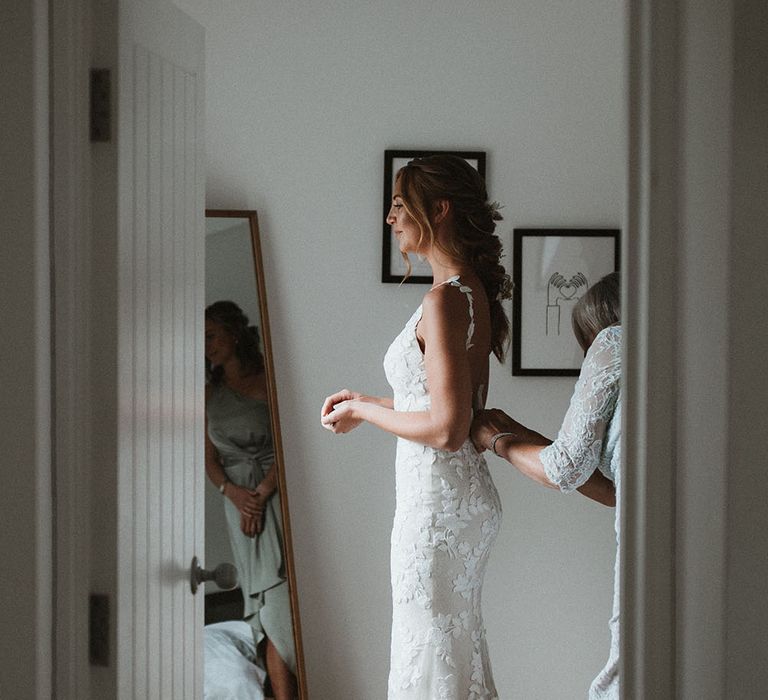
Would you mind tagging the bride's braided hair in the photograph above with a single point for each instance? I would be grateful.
(424, 181)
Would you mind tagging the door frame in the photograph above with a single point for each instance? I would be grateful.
(652, 226)
(25, 373)
(649, 276)
(72, 283)
(678, 209)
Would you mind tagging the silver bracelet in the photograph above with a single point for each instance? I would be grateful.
(223, 486)
(498, 437)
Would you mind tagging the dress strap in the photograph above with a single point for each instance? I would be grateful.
(456, 282)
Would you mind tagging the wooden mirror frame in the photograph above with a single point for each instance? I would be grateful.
(274, 413)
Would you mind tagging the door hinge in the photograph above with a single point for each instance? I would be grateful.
(101, 104)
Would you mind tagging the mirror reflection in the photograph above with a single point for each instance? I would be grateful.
(250, 635)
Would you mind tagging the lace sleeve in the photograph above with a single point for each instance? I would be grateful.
(570, 460)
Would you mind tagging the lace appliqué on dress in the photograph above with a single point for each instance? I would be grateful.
(447, 517)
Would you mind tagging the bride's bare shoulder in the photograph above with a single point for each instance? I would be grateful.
(444, 298)
(445, 310)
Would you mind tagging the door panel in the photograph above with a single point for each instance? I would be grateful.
(160, 352)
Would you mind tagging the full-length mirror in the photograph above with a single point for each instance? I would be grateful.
(252, 642)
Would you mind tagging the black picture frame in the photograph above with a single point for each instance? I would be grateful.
(552, 268)
(391, 261)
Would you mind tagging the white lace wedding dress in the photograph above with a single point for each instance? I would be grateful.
(446, 520)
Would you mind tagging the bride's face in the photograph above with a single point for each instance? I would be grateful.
(405, 229)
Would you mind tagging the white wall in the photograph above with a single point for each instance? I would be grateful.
(302, 100)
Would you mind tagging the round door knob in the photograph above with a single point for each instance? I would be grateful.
(224, 575)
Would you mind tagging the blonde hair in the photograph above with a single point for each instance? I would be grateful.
(599, 308)
(425, 181)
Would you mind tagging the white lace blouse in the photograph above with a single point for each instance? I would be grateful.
(589, 436)
(589, 439)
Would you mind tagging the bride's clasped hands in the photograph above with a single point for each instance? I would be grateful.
(338, 412)
(342, 411)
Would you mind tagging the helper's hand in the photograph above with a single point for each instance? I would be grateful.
(491, 422)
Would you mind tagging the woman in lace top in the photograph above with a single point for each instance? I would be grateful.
(586, 455)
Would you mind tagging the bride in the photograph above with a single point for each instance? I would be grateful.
(448, 511)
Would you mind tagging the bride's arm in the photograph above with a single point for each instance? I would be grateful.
(443, 330)
(347, 395)
(383, 401)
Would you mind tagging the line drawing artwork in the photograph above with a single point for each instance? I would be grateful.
(560, 293)
(552, 270)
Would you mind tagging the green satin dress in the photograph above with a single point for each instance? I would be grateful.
(240, 429)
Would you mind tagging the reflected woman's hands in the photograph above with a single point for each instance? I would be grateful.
(252, 515)
(247, 501)
(250, 525)
(262, 493)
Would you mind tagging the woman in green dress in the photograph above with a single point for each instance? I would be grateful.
(240, 462)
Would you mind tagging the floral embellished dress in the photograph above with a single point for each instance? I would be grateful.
(446, 520)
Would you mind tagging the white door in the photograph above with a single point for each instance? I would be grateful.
(128, 235)
(160, 285)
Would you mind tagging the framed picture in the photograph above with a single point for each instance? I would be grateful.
(552, 268)
(393, 267)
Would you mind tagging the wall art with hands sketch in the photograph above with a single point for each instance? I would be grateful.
(553, 268)
(243, 439)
